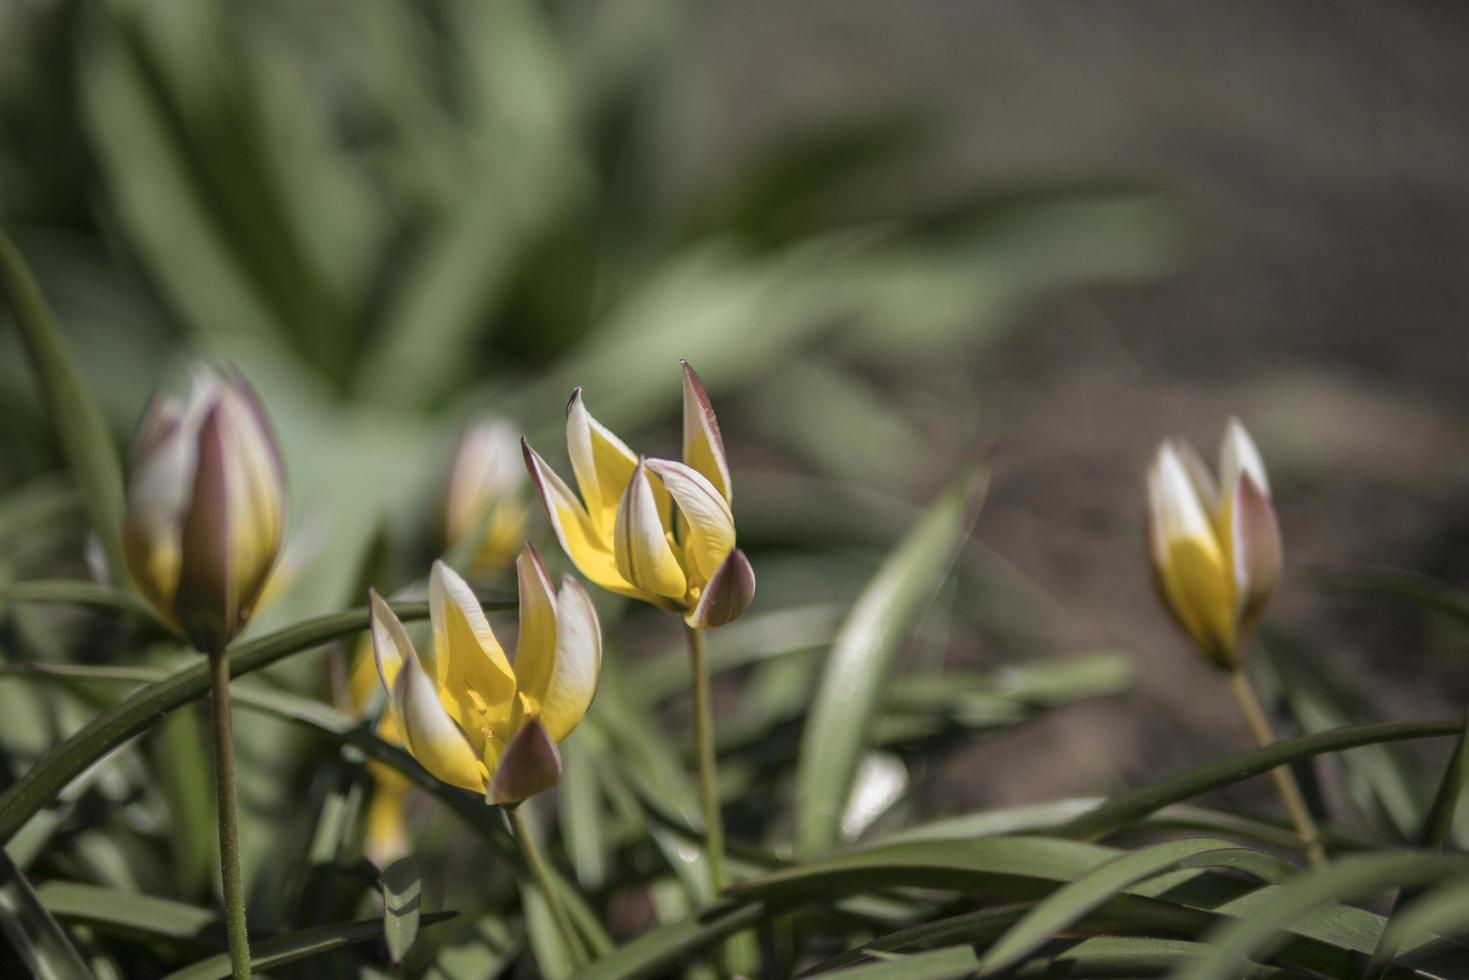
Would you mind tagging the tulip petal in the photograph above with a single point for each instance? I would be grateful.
(485, 473)
(469, 669)
(531, 765)
(573, 684)
(588, 550)
(1238, 454)
(645, 557)
(729, 592)
(435, 740)
(1255, 550)
(602, 463)
(535, 648)
(208, 600)
(710, 525)
(164, 456)
(391, 647)
(1190, 568)
(703, 446)
(260, 488)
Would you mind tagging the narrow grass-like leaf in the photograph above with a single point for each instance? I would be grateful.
(80, 428)
(402, 903)
(140, 710)
(280, 950)
(862, 658)
(1073, 901)
(131, 914)
(75, 592)
(1414, 588)
(1439, 820)
(1256, 935)
(657, 952)
(1443, 912)
(35, 936)
(1136, 805)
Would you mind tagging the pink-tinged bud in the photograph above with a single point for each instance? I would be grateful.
(531, 764)
(485, 495)
(206, 508)
(730, 591)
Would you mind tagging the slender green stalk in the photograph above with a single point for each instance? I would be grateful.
(1285, 782)
(229, 834)
(537, 865)
(708, 764)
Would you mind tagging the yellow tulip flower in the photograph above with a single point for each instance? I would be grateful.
(484, 496)
(1215, 550)
(655, 529)
(464, 713)
(206, 504)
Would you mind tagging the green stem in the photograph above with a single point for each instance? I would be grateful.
(1285, 782)
(708, 763)
(229, 834)
(537, 865)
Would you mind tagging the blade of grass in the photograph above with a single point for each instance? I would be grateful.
(35, 935)
(80, 428)
(280, 950)
(862, 658)
(131, 914)
(1138, 804)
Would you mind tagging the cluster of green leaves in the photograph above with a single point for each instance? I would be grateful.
(392, 214)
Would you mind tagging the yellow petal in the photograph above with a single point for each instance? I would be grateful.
(439, 744)
(535, 648)
(473, 678)
(391, 647)
(602, 463)
(578, 661)
(1191, 567)
(645, 557)
(710, 525)
(703, 446)
(588, 550)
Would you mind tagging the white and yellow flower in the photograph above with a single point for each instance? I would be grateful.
(467, 715)
(206, 507)
(654, 529)
(1215, 549)
(485, 496)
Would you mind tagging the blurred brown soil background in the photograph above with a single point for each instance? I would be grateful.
(1322, 153)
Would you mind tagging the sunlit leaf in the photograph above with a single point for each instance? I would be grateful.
(33, 933)
(862, 660)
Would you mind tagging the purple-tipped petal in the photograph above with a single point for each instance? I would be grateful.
(531, 764)
(703, 446)
(208, 602)
(727, 595)
(1255, 548)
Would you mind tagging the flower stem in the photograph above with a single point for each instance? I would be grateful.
(229, 835)
(1285, 781)
(537, 865)
(708, 764)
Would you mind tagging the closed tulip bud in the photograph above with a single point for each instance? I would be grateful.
(1215, 550)
(206, 507)
(468, 716)
(485, 494)
(654, 529)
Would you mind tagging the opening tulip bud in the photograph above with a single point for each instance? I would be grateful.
(206, 508)
(659, 530)
(1215, 552)
(484, 496)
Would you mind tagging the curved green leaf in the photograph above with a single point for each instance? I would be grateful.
(80, 428)
(79, 592)
(866, 647)
(132, 914)
(1138, 804)
(654, 953)
(35, 936)
(133, 715)
(1257, 934)
(1441, 912)
(1439, 821)
(1072, 902)
(279, 950)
